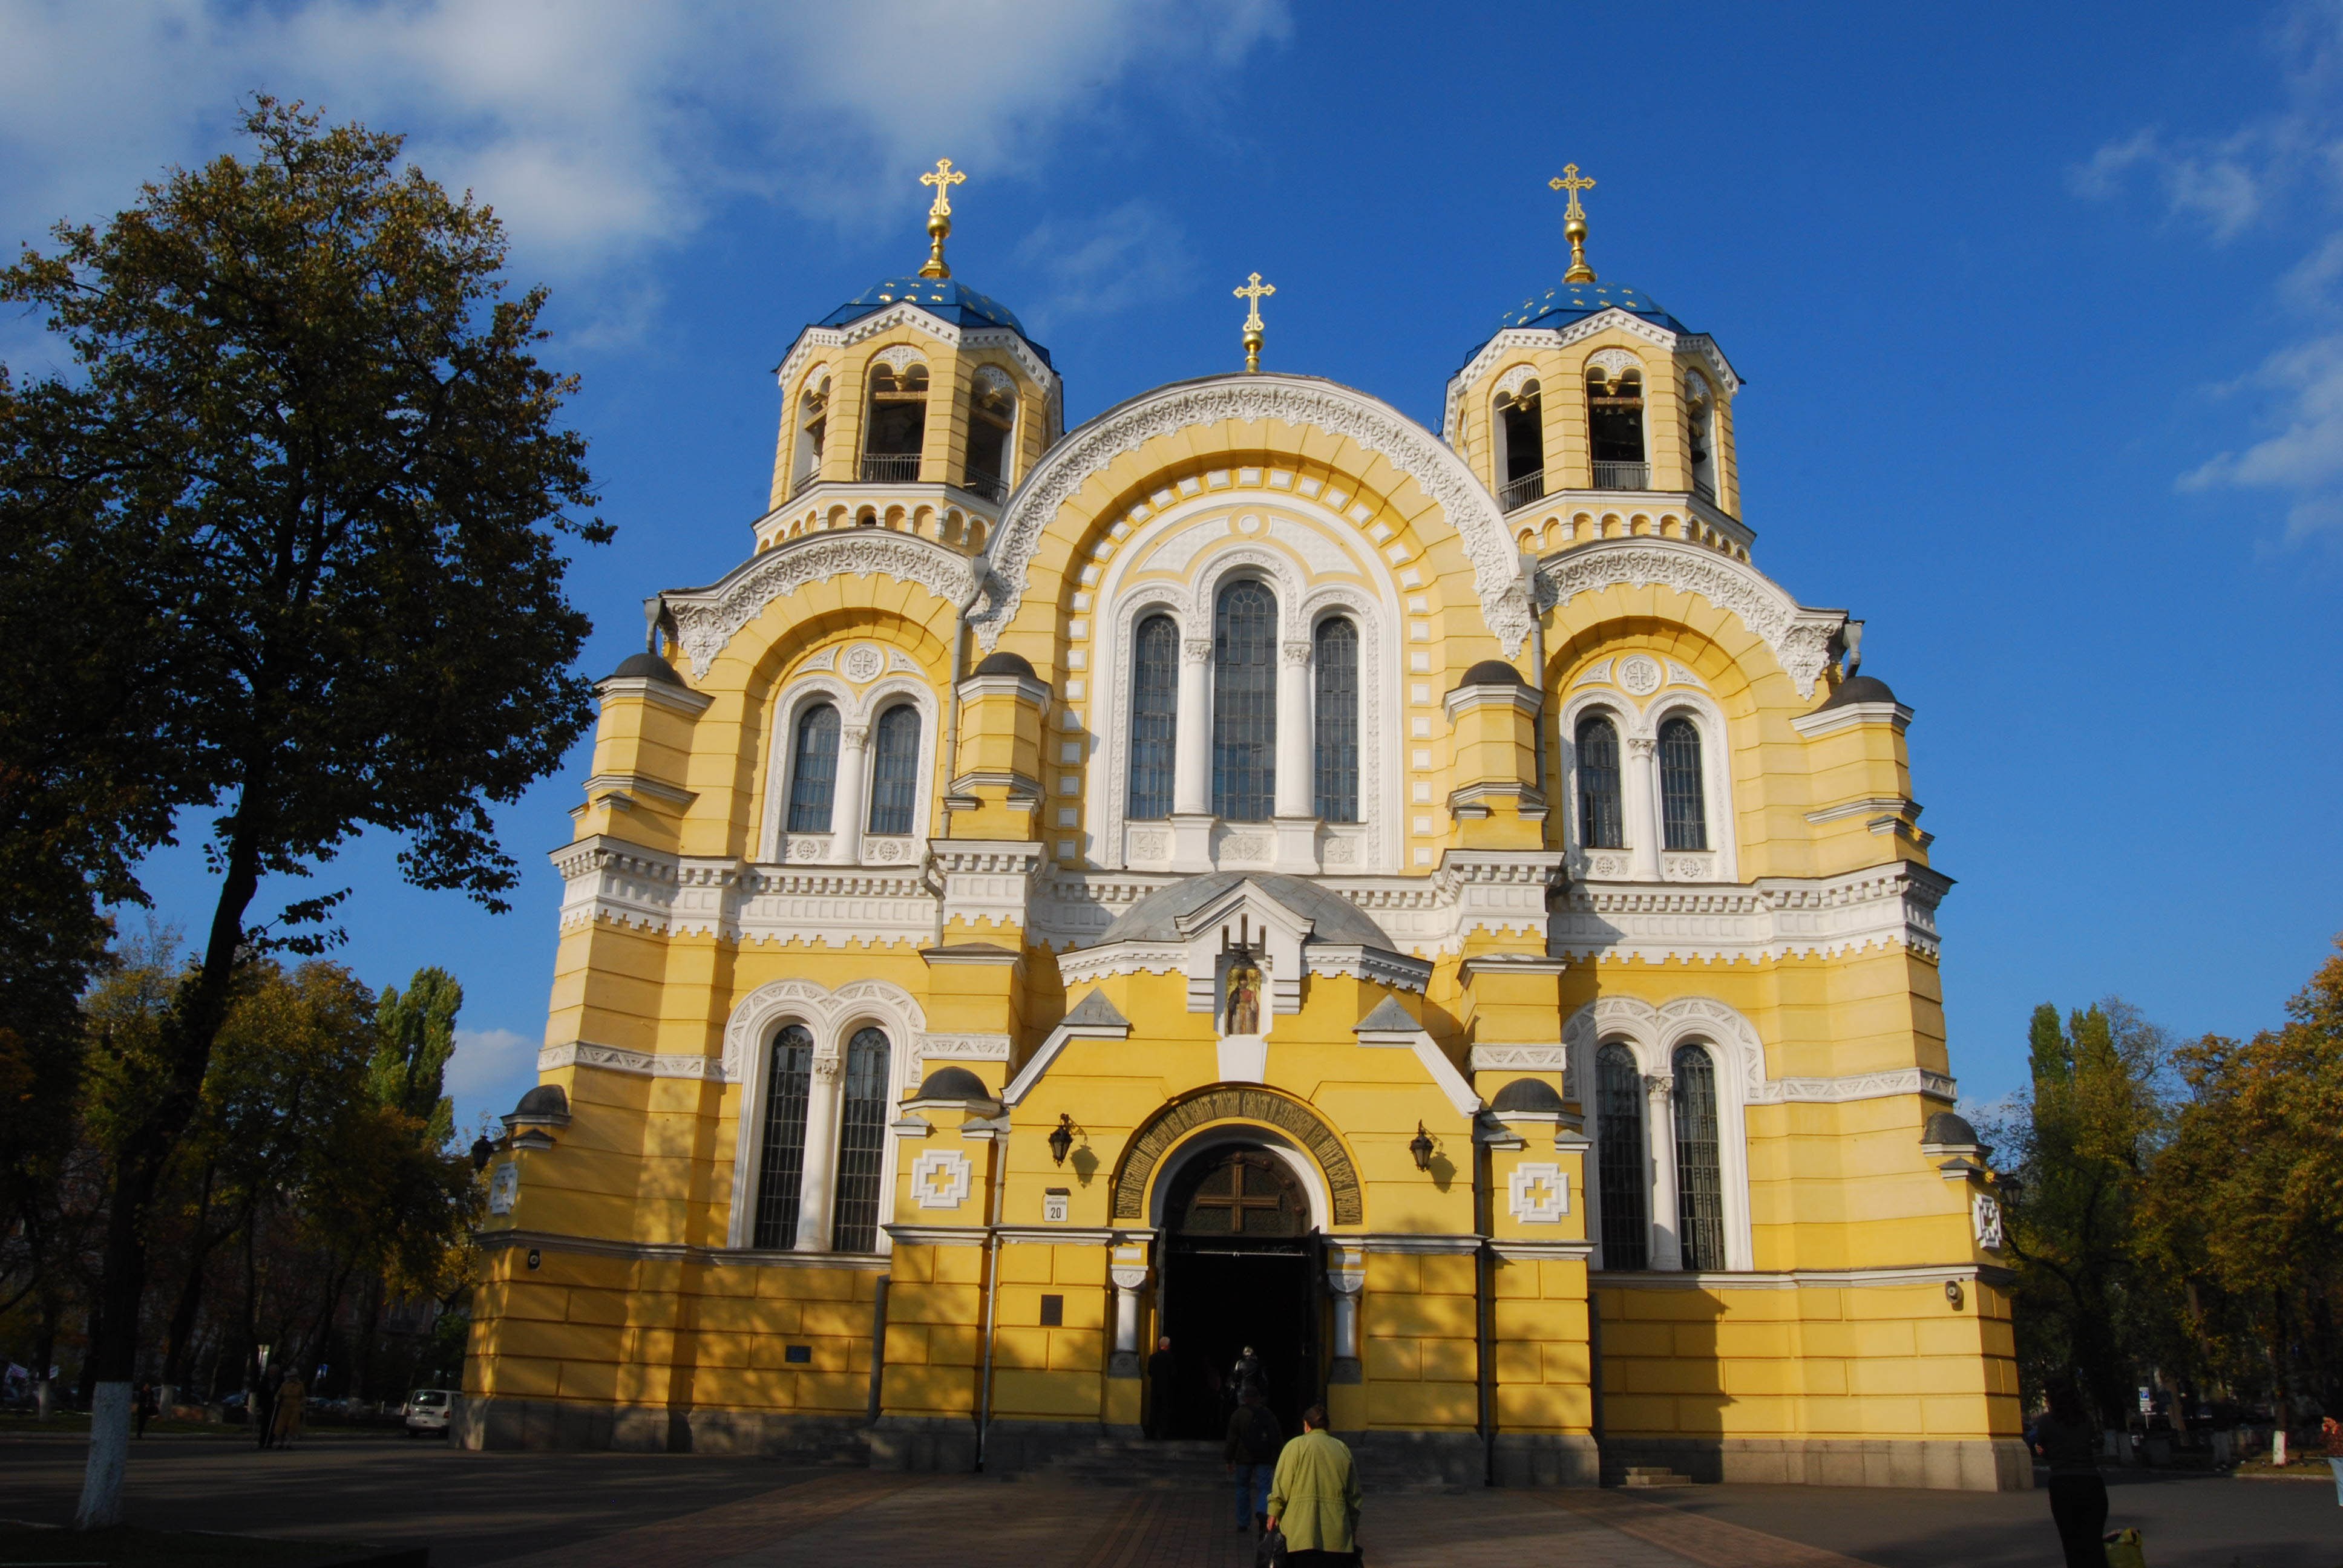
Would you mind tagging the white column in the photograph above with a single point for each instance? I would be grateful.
(1343, 1285)
(1667, 1247)
(820, 1169)
(1297, 807)
(1641, 789)
(1126, 1282)
(1191, 738)
(847, 805)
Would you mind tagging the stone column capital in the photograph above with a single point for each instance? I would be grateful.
(1196, 651)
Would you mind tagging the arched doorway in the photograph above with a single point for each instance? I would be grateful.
(1241, 1267)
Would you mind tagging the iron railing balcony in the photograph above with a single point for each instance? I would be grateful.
(1521, 492)
(1622, 475)
(890, 468)
(991, 487)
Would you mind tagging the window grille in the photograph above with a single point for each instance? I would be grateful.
(895, 775)
(1244, 703)
(1598, 785)
(789, 1085)
(1683, 813)
(1154, 716)
(1625, 1174)
(1700, 1182)
(1336, 660)
(813, 775)
(861, 1144)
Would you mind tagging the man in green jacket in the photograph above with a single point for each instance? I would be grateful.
(1314, 1498)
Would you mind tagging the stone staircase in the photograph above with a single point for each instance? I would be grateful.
(1183, 1464)
(1642, 1476)
(828, 1451)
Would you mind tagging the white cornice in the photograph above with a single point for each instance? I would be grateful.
(660, 693)
(1966, 1269)
(1799, 638)
(1888, 905)
(1830, 720)
(1293, 400)
(1513, 339)
(707, 619)
(814, 341)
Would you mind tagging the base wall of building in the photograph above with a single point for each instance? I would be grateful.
(1945, 1464)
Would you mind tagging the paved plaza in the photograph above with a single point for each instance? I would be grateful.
(663, 1510)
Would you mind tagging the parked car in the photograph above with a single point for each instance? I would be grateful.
(427, 1410)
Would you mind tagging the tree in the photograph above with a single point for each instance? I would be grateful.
(309, 463)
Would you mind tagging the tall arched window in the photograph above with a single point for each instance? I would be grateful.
(1244, 703)
(991, 415)
(1154, 716)
(1625, 1174)
(895, 769)
(1700, 1181)
(1336, 656)
(1599, 817)
(899, 424)
(813, 770)
(1614, 417)
(1521, 447)
(781, 1174)
(861, 1144)
(1684, 812)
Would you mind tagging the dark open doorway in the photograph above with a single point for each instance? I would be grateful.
(1240, 1268)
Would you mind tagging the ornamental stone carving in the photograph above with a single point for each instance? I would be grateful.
(1639, 675)
(1611, 361)
(707, 619)
(1257, 1105)
(898, 359)
(1799, 638)
(1196, 651)
(1438, 471)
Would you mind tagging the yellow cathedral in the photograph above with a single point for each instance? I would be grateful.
(1251, 871)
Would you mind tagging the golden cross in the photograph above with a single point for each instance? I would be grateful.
(946, 176)
(1250, 293)
(1574, 185)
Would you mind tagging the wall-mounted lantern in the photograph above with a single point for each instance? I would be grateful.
(1061, 1140)
(1420, 1147)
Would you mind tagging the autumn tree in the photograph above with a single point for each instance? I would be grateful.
(297, 503)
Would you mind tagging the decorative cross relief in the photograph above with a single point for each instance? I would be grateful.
(1538, 1193)
(941, 1179)
(1985, 1214)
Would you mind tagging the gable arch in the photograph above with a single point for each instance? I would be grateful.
(1297, 400)
(1171, 1127)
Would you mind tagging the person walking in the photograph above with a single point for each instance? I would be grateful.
(261, 1405)
(1162, 1388)
(1244, 1374)
(2078, 1497)
(1313, 1499)
(144, 1406)
(1253, 1440)
(290, 1400)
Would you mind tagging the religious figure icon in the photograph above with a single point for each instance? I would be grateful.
(1244, 998)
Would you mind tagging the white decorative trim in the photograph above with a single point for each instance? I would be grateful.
(1857, 1086)
(659, 693)
(813, 341)
(1506, 1057)
(1510, 384)
(962, 1047)
(1538, 1193)
(707, 619)
(897, 356)
(1442, 474)
(1531, 338)
(951, 1165)
(1436, 1065)
(1985, 1218)
(1890, 906)
(1967, 1272)
(1799, 638)
(646, 1065)
(1847, 716)
(1611, 361)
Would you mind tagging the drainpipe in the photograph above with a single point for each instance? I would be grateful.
(992, 1286)
(1537, 678)
(1484, 1293)
(951, 751)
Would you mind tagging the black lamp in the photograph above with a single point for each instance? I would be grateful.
(1420, 1147)
(482, 1152)
(1061, 1140)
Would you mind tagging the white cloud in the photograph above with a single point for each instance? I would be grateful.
(489, 1061)
(2219, 185)
(602, 130)
(1098, 266)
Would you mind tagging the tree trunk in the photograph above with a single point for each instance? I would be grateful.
(191, 1294)
(189, 1031)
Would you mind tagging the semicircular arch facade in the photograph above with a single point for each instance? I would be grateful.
(1170, 1127)
(1800, 637)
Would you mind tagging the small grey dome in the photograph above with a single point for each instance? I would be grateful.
(1526, 1094)
(1857, 688)
(1946, 1128)
(1006, 664)
(1333, 918)
(646, 667)
(545, 1099)
(952, 1083)
(1493, 672)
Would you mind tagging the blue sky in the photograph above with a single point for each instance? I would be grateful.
(2040, 310)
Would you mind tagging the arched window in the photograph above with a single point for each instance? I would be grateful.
(1700, 432)
(1683, 811)
(1336, 656)
(992, 415)
(1700, 1179)
(1244, 703)
(861, 1144)
(813, 423)
(895, 770)
(899, 424)
(1154, 716)
(1521, 447)
(813, 770)
(1625, 1174)
(780, 1175)
(1599, 815)
(1614, 417)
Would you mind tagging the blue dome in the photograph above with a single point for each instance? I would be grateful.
(947, 297)
(1567, 302)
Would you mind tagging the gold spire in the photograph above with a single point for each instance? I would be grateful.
(939, 217)
(1250, 293)
(1574, 222)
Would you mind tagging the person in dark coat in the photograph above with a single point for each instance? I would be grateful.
(2078, 1497)
(1244, 1375)
(1251, 1449)
(1162, 1388)
(262, 1407)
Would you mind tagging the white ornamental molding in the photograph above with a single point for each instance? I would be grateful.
(707, 619)
(1511, 383)
(1375, 424)
(827, 1012)
(1985, 1216)
(1799, 638)
(1661, 1029)
(814, 341)
(962, 1047)
(643, 1064)
(1538, 1193)
(1884, 907)
(1611, 361)
(940, 1177)
(898, 357)
(504, 1188)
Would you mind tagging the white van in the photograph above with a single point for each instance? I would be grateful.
(428, 1409)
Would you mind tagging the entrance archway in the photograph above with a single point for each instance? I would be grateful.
(1241, 1266)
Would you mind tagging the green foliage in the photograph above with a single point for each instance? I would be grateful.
(415, 1036)
(2047, 1049)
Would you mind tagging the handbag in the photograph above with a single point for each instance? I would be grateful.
(2124, 1550)
(1269, 1553)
